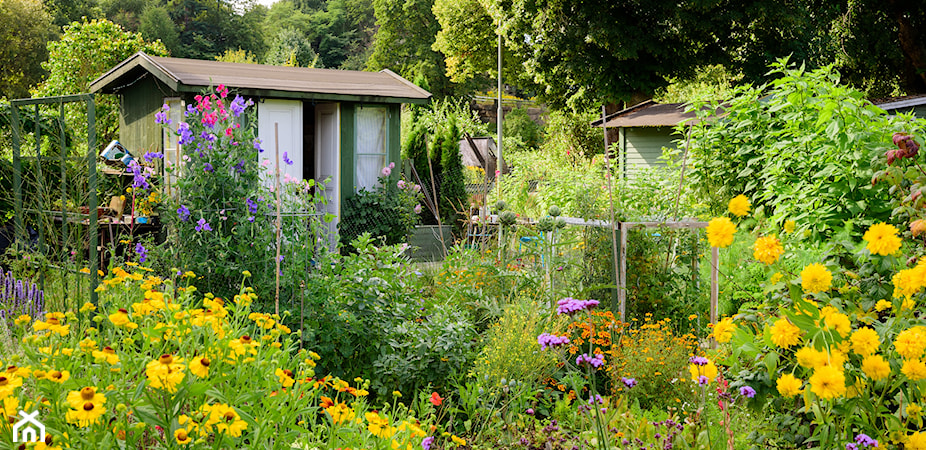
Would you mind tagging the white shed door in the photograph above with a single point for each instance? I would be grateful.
(287, 116)
(328, 162)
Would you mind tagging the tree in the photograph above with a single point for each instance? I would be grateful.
(127, 13)
(63, 12)
(404, 43)
(209, 27)
(24, 29)
(86, 51)
(291, 48)
(155, 24)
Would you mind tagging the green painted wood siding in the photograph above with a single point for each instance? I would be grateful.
(347, 149)
(137, 130)
(643, 147)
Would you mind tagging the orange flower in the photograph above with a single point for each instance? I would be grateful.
(436, 399)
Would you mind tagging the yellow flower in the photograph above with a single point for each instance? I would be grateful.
(458, 440)
(165, 373)
(8, 383)
(23, 319)
(87, 306)
(906, 282)
(720, 232)
(839, 322)
(785, 334)
(379, 426)
(107, 354)
(199, 366)
(86, 414)
(788, 385)
(882, 305)
(286, 377)
(226, 419)
(58, 376)
(76, 399)
(723, 330)
(828, 382)
(121, 318)
(865, 341)
(916, 441)
(811, 358)
(767, 249)
(911, 342)
(914, 369)
(739, 206)
(914, 410)
(340, 413)
(882, 239)
(182, 436)
(708, 370)
(53, 322)
(875, 367)
(816, 278)
(789, 226)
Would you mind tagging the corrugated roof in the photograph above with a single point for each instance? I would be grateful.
(648, 114)
(193, 75)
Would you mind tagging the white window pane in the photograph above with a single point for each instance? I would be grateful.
(371, 142)
(368, 170)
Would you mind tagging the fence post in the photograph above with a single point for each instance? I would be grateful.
(622, 273)
(92, 182)
(19, 233)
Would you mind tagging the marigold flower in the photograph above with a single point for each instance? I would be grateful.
(720, 232)
(865, 341)
(723, 330)
(767, 249)
(785, 334)
(839, 322)
(828, 382)
(882, 305)
(789, 226)
(882, 239)
(914, 369)
(788, 385)
(739, 206)
(875, 367)
(816, 278)
(911, 342)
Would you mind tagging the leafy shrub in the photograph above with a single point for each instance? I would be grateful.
(388, 212)
(510, 349)
(517, 123)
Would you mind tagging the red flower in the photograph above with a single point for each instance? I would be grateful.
(436, 399)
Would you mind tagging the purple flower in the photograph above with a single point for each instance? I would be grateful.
(426, 442)
(594, 361)
(571, 306)
(286, 159)
(184, 213)
(142, 252)
(547, 340)
(703, 380)
(864, 439)
(749, 392)
(207, 136)
(151, 156)
(698, 360)
(208, 168)
(252, 205)
(257, 146)
(161, 118)
(595, 399)
(139, 179)
(186, 136)
(530, 411)
(238, 105)
(251, 219)
(851, 446)
(629, 382)
(202, 225)
(240, 167)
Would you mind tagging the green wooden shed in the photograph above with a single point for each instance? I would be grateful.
(643, 130)
(333, 123)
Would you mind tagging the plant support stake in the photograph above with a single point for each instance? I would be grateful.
(279, 222)
(614, 254)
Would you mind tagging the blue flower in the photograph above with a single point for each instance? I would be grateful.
(142, 252)
(151, 156)
(184, 213)
(257, 146)
(208, 167)
(202, 225)
(186, 136)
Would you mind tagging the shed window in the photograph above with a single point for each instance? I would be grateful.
(371, 139)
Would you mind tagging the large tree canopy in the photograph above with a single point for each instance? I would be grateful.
(24, 29)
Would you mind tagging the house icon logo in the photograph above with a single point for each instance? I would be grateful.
(28, 429)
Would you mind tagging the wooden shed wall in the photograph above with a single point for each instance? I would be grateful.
(137, 130)
(642, 147)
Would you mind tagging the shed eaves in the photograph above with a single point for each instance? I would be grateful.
(199, 73)
(648, 114)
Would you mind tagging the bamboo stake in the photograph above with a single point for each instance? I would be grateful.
(619, 273)
(715, 287)
(279, 222)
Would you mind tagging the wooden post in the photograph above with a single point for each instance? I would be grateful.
(715, 287)
(279, 223)
(622, 273)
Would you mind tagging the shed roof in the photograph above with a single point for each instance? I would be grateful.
(192, 75)
(648, 114)
(894, 103)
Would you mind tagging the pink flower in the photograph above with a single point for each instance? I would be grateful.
(418, 208)
(401, 184)
(391, 165)
(228, 132)
(387, 171)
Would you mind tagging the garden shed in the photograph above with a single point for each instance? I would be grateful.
(643, 130)
(915, 104)
(332, 123)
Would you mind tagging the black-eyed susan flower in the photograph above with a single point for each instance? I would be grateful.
(226, 420)
(121, 318)
(182, 437)
(8, 383)
(286, 377)
(199, 366)
(340, 413)
(54, 322)
(106, 354)
(58, 376)
(85, 414)
(379, 426)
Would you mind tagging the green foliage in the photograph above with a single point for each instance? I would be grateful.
(290, 48)
(155, 24)
(208, 28)
(386, 213)
(25, 27)
(86, 51)
(800, 148)
(454, 201)
(527, 134)
(510, 349)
